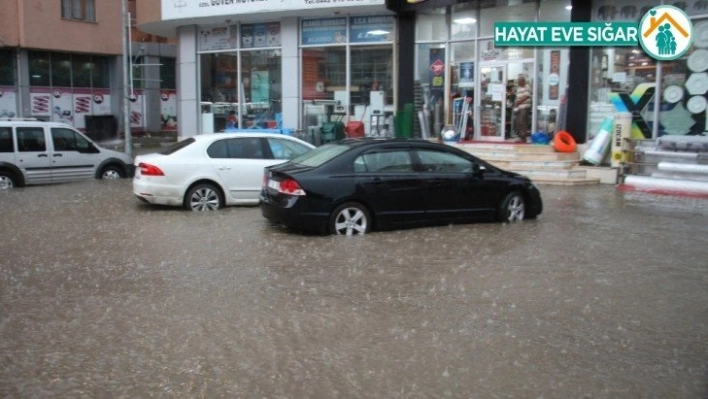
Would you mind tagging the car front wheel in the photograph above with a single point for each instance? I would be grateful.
(512, 208)
(111, 172)
(6, 180)
(203, 197)
(350, 219)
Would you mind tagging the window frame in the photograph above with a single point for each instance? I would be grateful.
(79, 10)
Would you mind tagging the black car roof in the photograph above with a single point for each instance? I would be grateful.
(360, 142)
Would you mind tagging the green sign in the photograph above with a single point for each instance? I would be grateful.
(533, 34)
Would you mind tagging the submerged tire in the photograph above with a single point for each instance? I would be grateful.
(203, 197)
(112, 172)
(512, 208)
(349, 219)
(7, 180)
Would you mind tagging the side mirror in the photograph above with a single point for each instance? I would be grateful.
(476, 170)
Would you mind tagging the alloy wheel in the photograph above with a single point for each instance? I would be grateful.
(204, 199)
(351, 221)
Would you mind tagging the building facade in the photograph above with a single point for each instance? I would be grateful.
(76, 76)
(364, 61)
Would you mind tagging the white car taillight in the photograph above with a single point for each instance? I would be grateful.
(149, 170)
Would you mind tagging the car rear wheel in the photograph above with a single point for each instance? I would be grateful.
(111, 172)
(6, 180)
(203, 197)
(350, 219)
(512, 208)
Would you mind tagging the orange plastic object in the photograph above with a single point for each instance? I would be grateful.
(355, 129)
(564, 142)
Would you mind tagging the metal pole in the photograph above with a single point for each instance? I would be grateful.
(126, 82)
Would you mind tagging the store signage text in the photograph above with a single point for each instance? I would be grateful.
(180, 9)
(225, 2)
(565, 34)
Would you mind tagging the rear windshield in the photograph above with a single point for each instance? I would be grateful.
(177, 146)
(320, 155)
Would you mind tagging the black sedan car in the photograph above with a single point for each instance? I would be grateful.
(356, 185)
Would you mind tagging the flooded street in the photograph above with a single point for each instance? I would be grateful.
(604, 296)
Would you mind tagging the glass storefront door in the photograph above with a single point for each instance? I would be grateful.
(492, 102)
(497, 115)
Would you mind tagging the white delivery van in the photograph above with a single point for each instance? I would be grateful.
(36, 152)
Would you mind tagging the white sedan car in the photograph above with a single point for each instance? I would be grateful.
(209, 171)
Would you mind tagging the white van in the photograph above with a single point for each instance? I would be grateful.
(36, 152)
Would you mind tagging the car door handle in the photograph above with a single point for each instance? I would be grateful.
(436, 182)
(42, 156)
(224, 168)
(57, 155)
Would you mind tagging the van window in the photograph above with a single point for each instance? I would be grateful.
(63, 139)
(6, 139)
(68, 140)
(31, 139)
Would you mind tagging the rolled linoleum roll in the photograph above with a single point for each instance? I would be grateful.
(683, 167)
(669, 185)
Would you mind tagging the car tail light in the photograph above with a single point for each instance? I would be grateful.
(291, 187)
(149, 170)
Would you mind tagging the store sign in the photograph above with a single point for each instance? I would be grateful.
(665, 33)
(260, 35)
(375, 29)
(324, 31)
(218, 37)
(436, 73)
(532, 34)
(182, 9)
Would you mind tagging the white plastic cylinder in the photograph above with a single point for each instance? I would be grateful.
(645, 183)
(600, 144)
(683, 167)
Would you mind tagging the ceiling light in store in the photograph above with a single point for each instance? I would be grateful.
(465, 21)
(568, 8)
(378, 32)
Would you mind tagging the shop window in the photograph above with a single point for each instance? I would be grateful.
(616, 73)
(61, 70)
(431, 25)
(462, 66)
(81, 10)
(464, 21)
(7, 68)
(371, 70)
(492, 11)
(682, 97)
(81, 70)
(554, 11)
(101, 76)
(39, 68)
(324, 72)
(138, 72)
(168, 73)
(262, 88)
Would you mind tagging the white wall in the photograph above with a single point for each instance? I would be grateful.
(290, 71)
(187, 81)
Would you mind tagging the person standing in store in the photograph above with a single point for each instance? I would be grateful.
(522, 109)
